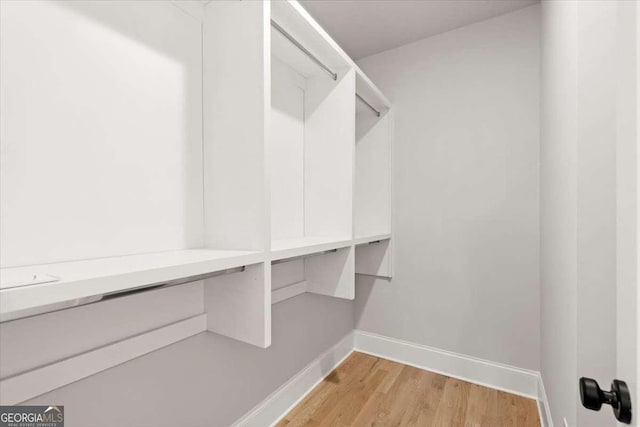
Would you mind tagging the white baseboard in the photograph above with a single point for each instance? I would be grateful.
(507, 378)
(281, 401)
(543, 405)
(27, 385)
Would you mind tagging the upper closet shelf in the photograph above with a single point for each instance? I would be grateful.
(36, 289)
(371, 239)
(290, 248)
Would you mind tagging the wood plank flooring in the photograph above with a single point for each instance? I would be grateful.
(368, 391)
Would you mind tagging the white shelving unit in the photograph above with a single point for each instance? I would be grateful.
(269, 167)
(310, 138)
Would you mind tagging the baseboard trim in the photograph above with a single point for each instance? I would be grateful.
(543, 405)
(494, 375)
(281, 401)
(27, 385)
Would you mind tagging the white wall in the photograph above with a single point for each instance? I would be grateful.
(578, 204)
(558, 209)
(466, 182)
(596, 197)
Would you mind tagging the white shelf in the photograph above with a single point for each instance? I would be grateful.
(95, 277)
(371, 238)
(289, 248)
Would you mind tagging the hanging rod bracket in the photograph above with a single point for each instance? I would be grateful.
(280, 261)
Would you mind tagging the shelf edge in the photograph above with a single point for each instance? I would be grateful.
(280, 254)
(370, 239)
(26, 301)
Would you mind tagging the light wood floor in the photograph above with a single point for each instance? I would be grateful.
(368, 391)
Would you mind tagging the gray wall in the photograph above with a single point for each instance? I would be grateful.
(207, 380)
(466, 165)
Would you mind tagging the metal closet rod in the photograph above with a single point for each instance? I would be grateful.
(368, 105)
(63, 305)
(329, 71)
(280, 261)
(289, 37)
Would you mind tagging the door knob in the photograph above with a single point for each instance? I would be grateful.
(592, 397)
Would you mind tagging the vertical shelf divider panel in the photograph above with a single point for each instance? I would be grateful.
(235, 305)
(237, 66)
(372, 207)
(374, 259)
(332, 274)
(329, 162)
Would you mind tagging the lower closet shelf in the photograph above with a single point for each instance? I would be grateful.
(37, 289)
